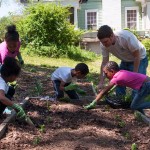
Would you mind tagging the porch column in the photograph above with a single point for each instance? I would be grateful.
(148, 16)
(76, 17)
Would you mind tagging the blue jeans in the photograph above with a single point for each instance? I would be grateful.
(60, 94)
(121, 90)
(138, 102)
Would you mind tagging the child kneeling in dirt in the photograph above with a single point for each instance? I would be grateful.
(10, 70)
(133, 80)
(62, 80)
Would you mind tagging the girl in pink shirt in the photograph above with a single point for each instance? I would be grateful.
(133, 80)
(10, 47)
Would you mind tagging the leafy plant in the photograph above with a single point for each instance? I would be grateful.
(134, 146)
(127, 135)
(42, 128)
(138, 115)
(49, 119)
(121, 124)
(36, 140)
(48, 105)
(38, 88)
(45, 27)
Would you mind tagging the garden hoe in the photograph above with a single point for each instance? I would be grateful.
(29, 121)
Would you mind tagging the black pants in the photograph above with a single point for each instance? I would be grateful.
(9, 95)
(60, 94)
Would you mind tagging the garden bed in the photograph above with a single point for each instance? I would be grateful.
(67, 126)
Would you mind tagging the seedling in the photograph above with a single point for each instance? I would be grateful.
(121, 124)
(48, 105)
(65, 99)
(36, 140)
(42, 128)
(134, 146)
(32, 70)
(127, 135)
(118, 118)
(38, 88)
(138, 115)
(49, 119)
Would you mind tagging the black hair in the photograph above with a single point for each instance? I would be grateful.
(11, 34)
(83, 68)
(10, 67)
(104, 32)
(111, 65)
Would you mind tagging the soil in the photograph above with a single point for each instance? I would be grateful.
(67, 126)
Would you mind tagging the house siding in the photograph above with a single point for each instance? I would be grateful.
(130, 3)
(112, 13)
(91, 4)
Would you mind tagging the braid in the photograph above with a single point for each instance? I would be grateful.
(111, 65)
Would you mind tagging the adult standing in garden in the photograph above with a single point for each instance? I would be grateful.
(10, 47)
(125, 46)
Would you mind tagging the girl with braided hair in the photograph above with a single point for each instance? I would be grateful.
(136, 81)
(10, 47)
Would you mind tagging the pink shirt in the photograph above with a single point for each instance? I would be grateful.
(130, 79)
(4, 52)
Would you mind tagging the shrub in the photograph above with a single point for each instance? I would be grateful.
(72, 52)
(4, 22)
(146, 43)
(134, 32)
(46, 26)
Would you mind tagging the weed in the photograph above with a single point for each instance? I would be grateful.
(121, 124)
(36, 140)
(33, 70)
(138, 115)
(48, 105)
(42, 128)
(134, 146)
(49, 119)
(118, 118)
(127, 135)
(38, 88)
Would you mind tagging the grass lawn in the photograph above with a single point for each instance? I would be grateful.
(94, 65)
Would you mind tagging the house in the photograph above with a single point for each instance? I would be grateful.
(133, 14)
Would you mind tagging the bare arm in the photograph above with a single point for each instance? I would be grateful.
(136, 55)
(62, 84)
(4, 99)
(104, 91)
(102, 77)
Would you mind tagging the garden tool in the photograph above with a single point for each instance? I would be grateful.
(29, 121)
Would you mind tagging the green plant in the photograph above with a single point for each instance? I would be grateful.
(138, 116)
(127, 135)
(48, 105)
(121, 124)
(117, 117)
(45, 27)
(146, 43)
(42, 128)
(48, 119)
(38, 88)
(36, 140)
(134, 146)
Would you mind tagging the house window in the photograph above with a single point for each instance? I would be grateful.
(131, 17)
(91, 19)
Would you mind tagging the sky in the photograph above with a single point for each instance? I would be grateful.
(8, 6)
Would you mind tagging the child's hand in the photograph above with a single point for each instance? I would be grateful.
(21, 61)
(80, 91)
(71, 86)
(20, 112)
(91, 105)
